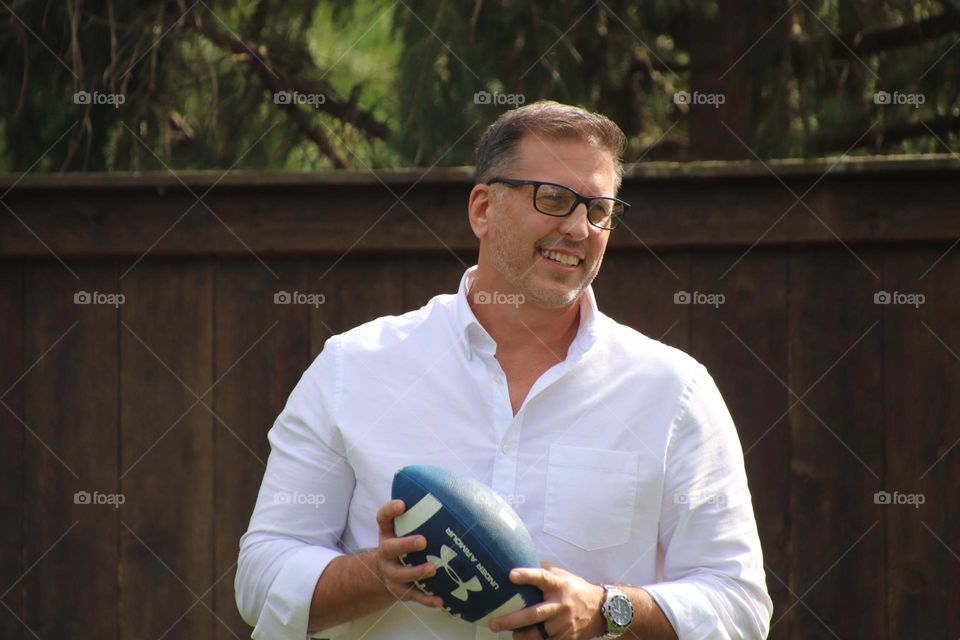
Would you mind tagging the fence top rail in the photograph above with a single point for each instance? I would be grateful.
(701, 170)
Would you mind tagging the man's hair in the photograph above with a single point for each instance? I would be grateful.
(497, 147)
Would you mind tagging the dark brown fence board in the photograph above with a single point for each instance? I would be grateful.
(166, 455)
(742, 340)
(426, 276)
(922, 377)
(836, 538)
(260, 355)
(12, 436)
(70, 399)
(638, 289)
(358, 289)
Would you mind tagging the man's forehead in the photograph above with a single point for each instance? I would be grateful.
(572, 161)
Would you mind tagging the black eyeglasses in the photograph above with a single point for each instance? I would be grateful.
(559, 201)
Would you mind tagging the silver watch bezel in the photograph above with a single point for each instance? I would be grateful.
(614, 630)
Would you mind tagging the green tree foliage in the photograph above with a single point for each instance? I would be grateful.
(271, 85)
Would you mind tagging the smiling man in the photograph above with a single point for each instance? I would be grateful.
(617, 451)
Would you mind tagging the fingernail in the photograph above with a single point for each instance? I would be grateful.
(494, 627)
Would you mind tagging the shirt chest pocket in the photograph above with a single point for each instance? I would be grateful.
(591, 496)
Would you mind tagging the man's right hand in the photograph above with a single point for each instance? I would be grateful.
(396, 577)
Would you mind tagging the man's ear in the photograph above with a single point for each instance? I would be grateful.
(478, 209)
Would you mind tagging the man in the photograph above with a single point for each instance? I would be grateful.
(616, 450)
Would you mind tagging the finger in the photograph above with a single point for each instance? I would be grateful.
(401, 574)
(421, 598)
(546, 564)
(529, 616)
(540, 631)
(386, 514)
(391, 548)
(537, 577)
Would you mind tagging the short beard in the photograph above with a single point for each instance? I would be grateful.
(545, 297)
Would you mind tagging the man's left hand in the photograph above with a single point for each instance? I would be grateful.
(570, 607)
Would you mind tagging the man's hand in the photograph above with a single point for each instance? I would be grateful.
(570, 607)
(397, 578)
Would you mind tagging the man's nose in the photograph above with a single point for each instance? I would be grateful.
(575, 224)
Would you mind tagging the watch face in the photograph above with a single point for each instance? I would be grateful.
(621, 612)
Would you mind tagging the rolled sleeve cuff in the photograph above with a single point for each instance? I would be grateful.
(689, 611)
(286, 612)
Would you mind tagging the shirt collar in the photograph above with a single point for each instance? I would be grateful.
(473, 336)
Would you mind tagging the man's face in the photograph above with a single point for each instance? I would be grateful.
(518, 236)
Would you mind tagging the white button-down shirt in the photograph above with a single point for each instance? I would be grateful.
(623, 462)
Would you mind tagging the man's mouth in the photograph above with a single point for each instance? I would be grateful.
(563, 258)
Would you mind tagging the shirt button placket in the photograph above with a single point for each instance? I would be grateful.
(505, 459)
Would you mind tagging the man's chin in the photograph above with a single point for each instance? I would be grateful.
(553, 298)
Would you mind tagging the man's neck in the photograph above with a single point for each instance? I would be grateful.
(522, 328)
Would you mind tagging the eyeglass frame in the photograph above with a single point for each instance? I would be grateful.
(578, 198)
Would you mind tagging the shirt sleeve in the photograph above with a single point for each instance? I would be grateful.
(301, 509)
(714, 583)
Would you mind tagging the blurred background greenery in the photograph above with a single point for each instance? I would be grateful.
(398, 80)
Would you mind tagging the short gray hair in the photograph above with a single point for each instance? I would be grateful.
(497, 147)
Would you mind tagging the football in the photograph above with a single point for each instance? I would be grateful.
(474, 538)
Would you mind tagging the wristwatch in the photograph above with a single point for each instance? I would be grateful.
(617, 610)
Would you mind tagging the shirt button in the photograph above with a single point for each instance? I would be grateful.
(498, 379)
(505, 448)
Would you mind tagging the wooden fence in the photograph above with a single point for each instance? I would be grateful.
(162, 398)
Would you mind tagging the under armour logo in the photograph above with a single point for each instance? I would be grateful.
(463, 588)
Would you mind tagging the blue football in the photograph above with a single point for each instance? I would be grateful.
(474, 538)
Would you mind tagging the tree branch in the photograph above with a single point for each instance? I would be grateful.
(872, 41)
(274, 78)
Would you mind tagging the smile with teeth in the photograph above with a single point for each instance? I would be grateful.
(562, 258)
